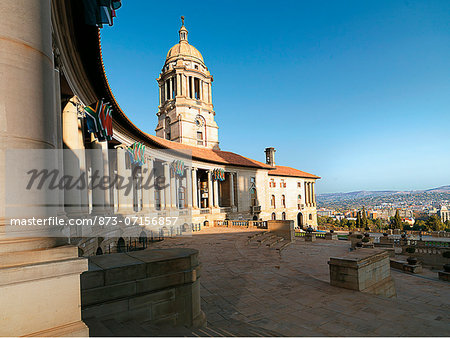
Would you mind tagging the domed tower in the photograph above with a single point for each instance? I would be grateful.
(185, 112)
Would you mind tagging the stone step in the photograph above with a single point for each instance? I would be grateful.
(283, 245)
(277, 240)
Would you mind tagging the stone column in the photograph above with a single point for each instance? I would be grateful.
(313, 192)
(71, 155)
(107, 176)
(231, 189)
(210, 192)
(98, 195)
(194, 188)
(178, 85)
(200, 90)
(124, 197)
(173, 192)
(58, 122)
(192, 87)
(216, 193)
(170, 88)
(210, 93)
(48, 278)
(83, 169)
(145, 187)
(188, 190)
(160, 96)
(167, 186)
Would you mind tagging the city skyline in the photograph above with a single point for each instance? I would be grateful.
(362, 87)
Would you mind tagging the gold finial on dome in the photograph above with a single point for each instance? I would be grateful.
(183, 31)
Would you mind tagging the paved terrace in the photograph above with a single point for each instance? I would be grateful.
(249, 291)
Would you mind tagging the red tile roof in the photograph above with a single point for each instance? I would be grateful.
(288, 171)
(210, 155)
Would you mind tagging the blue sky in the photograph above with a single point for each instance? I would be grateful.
(357, 92)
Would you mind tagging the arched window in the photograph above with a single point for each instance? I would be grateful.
(283, 201)
(99, 251)
(299, 197)
(272, 201)
(310, 217)
(274, 216)
(283, 216)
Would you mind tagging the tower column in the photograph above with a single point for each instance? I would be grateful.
(209, 92)
(171, 88)
(178, 84)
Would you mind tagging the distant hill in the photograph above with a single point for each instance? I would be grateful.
(365, 193)
(356, 199)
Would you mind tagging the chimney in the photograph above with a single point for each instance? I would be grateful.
(270, 156)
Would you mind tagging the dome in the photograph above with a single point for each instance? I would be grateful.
(184, 49)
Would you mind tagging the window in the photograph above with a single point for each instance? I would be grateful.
(199, 138)
(282, 184)
(310, 217)
(272, 201)
(274, 217)
(299, 197)
(299, 184)
(252, 180)
(283, 216)
(283, 201)
(272, 183)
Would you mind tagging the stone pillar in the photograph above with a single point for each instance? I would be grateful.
(216, 193)
(124, 197)
(98, 194)
(192, 87)
(194, 188)
(83, 169)
(200, 90)
(58, 122)
(178, 85)
(171, 88)
(49, 279)
(231, 189)
(160, 96)
(313, 193)
(71, 155)
(145, 187)
(210, 192)
(188, 190)
(210, 93)
(173, 192)
(107, 192)
(167, 185)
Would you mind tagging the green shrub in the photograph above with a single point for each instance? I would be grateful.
(366, 239)
(359, 236)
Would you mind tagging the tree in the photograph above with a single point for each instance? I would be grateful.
(364, 223)
(358, 220)
(396, 221)
(434, 223)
